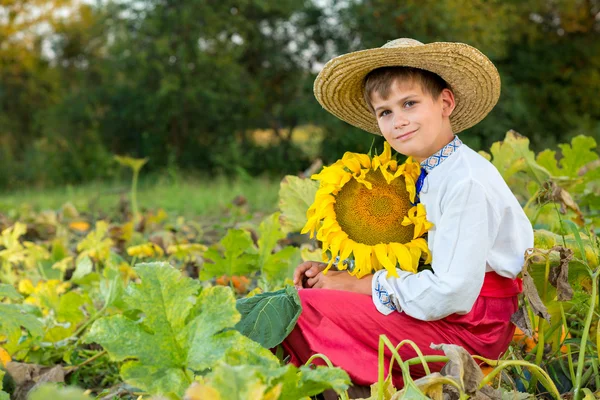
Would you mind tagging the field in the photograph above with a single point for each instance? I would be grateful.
(161, 289)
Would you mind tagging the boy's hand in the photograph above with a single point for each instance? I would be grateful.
(341, 280)
(305, 271)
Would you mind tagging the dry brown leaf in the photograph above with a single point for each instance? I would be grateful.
(461, 366)
(529, 290)
(521, 320)
(559, 275)
(29, 376)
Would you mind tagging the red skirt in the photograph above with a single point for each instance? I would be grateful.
(345, 326)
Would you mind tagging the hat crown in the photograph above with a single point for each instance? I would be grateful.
(402, 42)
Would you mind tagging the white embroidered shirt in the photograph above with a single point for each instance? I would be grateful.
(479, 226)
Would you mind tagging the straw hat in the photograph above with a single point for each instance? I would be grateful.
(471, 75)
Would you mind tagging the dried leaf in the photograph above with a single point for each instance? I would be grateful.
(559, 275)
(521, 320)
(461, 366)
(529, 290)
(29, 376)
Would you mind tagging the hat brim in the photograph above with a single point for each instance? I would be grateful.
(472, 76)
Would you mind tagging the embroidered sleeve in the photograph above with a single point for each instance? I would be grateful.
(382, 294)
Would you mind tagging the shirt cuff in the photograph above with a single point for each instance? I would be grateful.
(382, 293)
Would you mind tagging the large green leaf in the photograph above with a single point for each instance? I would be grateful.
(239, 256)
(574, 156)
(179, 333)
(268, 318)
(513, 155)
(295, 197)
(164, 298)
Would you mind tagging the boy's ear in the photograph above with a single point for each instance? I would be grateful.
(448, 103)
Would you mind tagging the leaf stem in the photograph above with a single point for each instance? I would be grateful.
(584, 338)
(538, 372)
(569, 352)
(541, 327)
(89, 360)
(90, 321)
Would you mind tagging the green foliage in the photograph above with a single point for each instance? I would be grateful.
(249, 381)
(275, 266)
(242, 257)
(267, 318)
(176, 337)
(239, 257)
(574, 156)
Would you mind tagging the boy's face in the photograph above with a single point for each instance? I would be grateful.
(413, 122)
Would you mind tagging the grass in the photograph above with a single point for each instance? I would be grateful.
(182, 196)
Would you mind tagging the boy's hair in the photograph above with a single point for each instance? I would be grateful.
(380, 81)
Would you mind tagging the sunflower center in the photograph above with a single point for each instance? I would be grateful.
(374, 216)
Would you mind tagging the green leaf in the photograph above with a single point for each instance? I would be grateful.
(574, 156)
(165, 297)
(547, 159)
(239, 256)
(84, 267)
(579, 153)
(72, 310)
(242, 382)
(269, 232)
(9, 291)
(156, 378)
(15, 316)
(513, 155)
(205, 337)
(575, 231)
(295, 197)
(179, 332)
(251, 353)
(134, 163)
(306, 381)
(52, 391)
(268, 318)
(280, 265)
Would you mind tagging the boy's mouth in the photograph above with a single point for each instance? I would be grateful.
(405, 135)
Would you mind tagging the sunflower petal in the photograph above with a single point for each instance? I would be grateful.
(362, 260)
(403, 255)
(381, 250)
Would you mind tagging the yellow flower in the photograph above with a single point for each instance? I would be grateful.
(364, 209)
(145, 250)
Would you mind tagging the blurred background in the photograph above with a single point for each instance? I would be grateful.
(221, 91)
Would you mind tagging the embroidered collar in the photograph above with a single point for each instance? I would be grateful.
(441, 155)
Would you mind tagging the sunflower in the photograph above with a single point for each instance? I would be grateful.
(365, 209)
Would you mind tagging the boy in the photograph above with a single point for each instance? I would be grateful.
(418, 97)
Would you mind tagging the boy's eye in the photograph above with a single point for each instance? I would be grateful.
(410, 103)
(384, 113)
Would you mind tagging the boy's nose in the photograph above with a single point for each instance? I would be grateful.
(400, 122)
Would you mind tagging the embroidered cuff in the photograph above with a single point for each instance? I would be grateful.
(382, 294)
